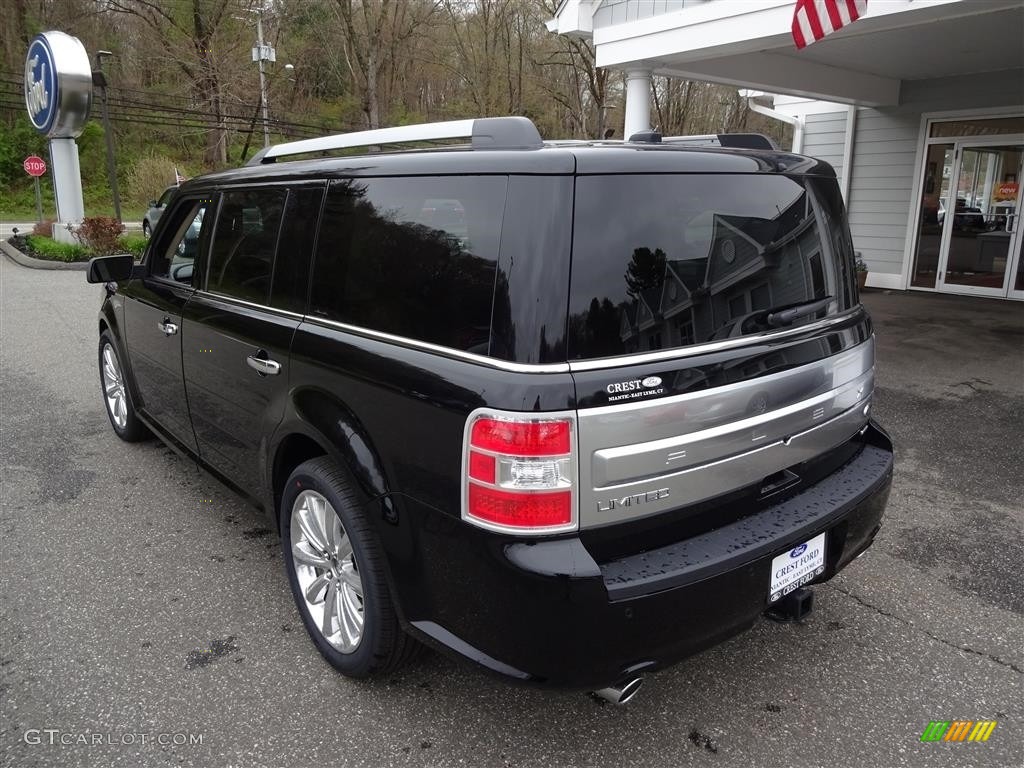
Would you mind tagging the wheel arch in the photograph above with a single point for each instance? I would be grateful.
(108, 321)
(318, 424)
(292, 450)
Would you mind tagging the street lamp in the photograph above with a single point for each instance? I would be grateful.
(100, 81)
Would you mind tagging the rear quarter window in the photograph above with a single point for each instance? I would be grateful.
(666, 261)
(413, 257)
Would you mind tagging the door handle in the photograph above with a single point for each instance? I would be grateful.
(263, 366)
(168, 328)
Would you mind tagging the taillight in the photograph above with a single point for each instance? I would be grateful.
(519, 472)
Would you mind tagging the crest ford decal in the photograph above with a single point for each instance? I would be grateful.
(634, 388)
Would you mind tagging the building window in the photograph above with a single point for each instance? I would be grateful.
(995, 126)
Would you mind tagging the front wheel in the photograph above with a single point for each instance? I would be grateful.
(336, 571)
(116, 395)
(146, 229)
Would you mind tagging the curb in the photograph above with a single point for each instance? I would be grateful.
(27, 261)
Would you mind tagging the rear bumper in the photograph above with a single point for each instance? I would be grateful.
(546, 612)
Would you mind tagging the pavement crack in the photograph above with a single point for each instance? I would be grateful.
(966, 649)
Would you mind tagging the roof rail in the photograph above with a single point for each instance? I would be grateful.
(732, 140)
(483, 132)
(646, 137)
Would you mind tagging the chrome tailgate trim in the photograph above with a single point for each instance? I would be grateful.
(648, 457)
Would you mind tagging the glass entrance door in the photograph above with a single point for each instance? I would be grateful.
(980, 223)
(1017, 264)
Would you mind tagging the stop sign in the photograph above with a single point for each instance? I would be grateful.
(34, 166)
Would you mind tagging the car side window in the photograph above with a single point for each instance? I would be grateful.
(414, 257)
(295, 249)
(165, 198)
(244, 243)
(174, 257)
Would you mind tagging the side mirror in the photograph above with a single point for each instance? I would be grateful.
(152, 203)
(110, 269)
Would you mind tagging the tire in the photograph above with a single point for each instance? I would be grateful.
(147, 231)
(317, 492)
(117, 396)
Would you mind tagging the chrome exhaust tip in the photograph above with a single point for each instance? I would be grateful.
(620, 693)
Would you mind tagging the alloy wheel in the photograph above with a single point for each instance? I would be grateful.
(113, 388)
(327, 572)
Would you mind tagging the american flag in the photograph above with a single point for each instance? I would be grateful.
(813, 19)
(178, 178)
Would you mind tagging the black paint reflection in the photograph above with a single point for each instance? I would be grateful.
(691, 259)
(411, 257)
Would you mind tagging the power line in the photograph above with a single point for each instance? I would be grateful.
(117, 98)
(148, 113)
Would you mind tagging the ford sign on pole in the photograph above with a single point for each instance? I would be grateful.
(40, 86)
(58, 95)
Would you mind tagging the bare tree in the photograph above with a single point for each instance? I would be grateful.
(201, 38)
(374, 32)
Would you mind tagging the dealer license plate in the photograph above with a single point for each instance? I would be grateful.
(798, 566)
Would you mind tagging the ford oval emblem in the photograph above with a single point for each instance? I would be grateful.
(797, 551)
(651, 381)
(41, 84)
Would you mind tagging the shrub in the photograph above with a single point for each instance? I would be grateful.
(133, 244)
(148, 178)
(45, 248)
(44, 227)
(100, 234)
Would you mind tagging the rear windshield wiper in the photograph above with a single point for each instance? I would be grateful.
(776, 318)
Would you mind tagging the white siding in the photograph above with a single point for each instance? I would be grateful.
(823, 138)
(884, 150)
(883, 172)
(612, 12)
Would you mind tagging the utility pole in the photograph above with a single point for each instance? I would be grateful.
(100, 81)
(263, 52)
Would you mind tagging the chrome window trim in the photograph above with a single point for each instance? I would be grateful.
(711, 346)
(426, 346)
(233, 300)
(577, 365)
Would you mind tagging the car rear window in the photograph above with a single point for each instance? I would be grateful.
(666, 261)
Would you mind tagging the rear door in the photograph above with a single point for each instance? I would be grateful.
(153, 316)
(238, 328)
(714, 337)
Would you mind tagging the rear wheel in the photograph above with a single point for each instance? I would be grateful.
(116, 395)
(336, 571)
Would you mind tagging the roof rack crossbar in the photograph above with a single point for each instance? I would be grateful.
(483, 132)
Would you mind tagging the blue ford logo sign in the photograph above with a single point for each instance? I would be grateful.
(797, 551)
(58, 85)
(40, 85)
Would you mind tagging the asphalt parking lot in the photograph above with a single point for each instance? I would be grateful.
(140, 598)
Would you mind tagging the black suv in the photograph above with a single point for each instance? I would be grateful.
(570, 410)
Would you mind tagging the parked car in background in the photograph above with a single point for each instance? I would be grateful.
(568, 410)
(155, 210)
